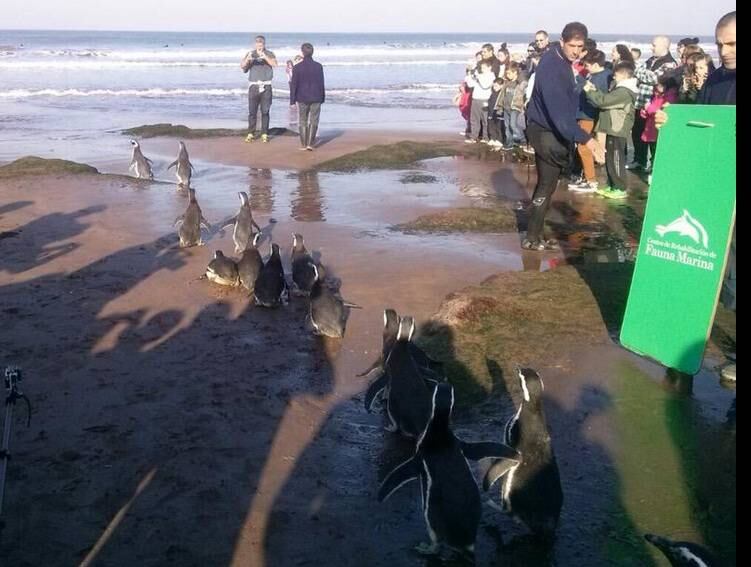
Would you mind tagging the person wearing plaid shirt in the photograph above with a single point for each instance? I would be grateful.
(648, 75)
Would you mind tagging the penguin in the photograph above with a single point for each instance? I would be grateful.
(184, 169)
(450, 496)
(305, 271)
(250, 265)
(683, 553)
(428, 369)
(530, 491)
(403, 386)
(190, 222)
(271, 287)
(140, 164)
(328, 312)
(242, 234)
(390, 330)
(222, 270)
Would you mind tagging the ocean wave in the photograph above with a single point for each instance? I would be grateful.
(148, 93)
(117, 65)
(417, 88)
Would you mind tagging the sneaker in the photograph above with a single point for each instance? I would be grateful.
(249, 138)
(729, 373)
(265, 138)
(649, 179)
(576, 182)
(470, 141)
(617, 194)
(309, 148)
(634, 166)
(507, 148)
(529, 150)
(535, 246)
(586, 187)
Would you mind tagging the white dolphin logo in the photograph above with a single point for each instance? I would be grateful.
(686, 225)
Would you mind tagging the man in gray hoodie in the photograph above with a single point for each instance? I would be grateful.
(259, 65)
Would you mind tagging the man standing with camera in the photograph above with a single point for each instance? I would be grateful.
(259, 64)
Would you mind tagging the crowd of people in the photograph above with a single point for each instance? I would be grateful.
(498, 87)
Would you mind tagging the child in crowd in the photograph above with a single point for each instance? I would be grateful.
(496, 125)
(463, 101)
(666, 92)
(481, 84)
(698, 68)
(600, 77)
(616, 119)
(511, 103)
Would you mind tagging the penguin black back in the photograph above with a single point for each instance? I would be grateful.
(250, 264)
(409, 398)
(270, 287)
(304, 269)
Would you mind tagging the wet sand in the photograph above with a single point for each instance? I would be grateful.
(174, 423)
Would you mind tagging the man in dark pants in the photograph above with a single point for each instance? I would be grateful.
(552, 128)
(308, 91)
(721, 88)
(259, 64)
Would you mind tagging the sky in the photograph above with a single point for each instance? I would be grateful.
(673, 17)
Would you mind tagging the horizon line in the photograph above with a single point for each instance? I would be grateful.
(530, 33)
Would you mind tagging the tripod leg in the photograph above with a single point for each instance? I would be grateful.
(5, 451)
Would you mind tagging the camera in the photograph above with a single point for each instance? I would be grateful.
(12, 377)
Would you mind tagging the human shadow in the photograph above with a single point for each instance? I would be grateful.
(153, 417)
(43, 240)
(11, 207)
(709, 475)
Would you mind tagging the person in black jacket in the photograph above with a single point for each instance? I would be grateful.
(552, 128)
(308, 91)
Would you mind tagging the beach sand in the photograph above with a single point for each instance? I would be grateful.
(175, 423)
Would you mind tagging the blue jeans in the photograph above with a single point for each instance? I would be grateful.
(515, 127)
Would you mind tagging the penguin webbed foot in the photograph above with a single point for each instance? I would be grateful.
(428, 549)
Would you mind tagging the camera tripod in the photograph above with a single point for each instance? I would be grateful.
(12, 378)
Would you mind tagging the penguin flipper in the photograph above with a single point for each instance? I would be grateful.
(378, 364)
(408, 471)
(179, 220)
(173, 164)
(351, 305)
(488, 450)
(206, 224)
(375, 389)
(496, 472)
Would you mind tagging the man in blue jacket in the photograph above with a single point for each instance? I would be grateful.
(552, 127)
(308, 91)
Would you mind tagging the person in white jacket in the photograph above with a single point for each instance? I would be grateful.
(482, 84)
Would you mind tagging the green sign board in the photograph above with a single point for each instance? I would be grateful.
(683, 250)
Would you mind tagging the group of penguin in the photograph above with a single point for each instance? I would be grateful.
(417, 399)
(418, 403)
(265, 281)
